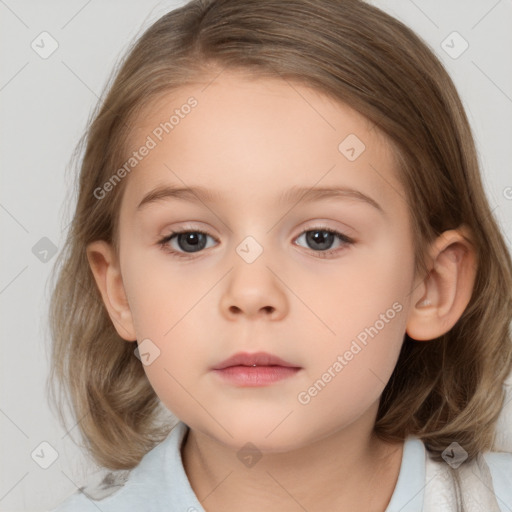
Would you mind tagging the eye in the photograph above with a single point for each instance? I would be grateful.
(183, 243)
(321, 239)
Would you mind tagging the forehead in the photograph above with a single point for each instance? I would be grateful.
(258, 137)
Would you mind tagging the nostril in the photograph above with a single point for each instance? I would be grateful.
(266, 309)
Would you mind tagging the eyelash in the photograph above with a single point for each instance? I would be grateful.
(163, 243)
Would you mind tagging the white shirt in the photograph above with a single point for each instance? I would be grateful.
(159, 483)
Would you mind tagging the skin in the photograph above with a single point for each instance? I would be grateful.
(249, 140)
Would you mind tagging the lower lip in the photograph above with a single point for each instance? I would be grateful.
(253, 376)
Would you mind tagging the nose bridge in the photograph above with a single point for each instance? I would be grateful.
(253, 288)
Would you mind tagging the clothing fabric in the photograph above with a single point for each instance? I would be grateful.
(159, 483)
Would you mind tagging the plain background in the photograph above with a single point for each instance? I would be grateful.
(45, 104)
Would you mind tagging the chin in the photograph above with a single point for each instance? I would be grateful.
(267, 434)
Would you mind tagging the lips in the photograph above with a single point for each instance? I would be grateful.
(255, 359)
(260, 369)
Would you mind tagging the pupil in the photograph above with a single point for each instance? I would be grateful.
(317, 238)
(193, 241)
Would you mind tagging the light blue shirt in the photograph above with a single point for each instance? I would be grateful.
(159, 482)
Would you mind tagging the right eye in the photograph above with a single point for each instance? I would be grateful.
(185, 242)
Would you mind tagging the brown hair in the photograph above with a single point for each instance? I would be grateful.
(445, 390)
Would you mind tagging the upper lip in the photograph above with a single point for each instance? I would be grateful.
(257, 358)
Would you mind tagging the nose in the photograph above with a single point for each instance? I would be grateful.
(253, 291)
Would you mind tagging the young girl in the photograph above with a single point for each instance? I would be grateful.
(281, 238)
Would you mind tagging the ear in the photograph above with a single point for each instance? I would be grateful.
(441, 298)
(107, 274)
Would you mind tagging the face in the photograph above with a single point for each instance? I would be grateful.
(265, 262)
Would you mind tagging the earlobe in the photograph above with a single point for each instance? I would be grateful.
(444, 294)
(107, 274)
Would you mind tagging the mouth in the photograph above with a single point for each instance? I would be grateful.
(252, 370)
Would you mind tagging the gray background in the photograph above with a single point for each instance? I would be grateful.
(45, 104)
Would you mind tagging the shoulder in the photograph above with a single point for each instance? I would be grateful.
(157, 482)
(77, 502)
(485, 483)
(500, 467)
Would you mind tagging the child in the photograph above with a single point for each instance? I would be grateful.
(281, 236)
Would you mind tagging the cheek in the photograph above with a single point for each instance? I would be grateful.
(352, 295)
(158, 294)
(348, 375)
(167, 310)
(367, 309)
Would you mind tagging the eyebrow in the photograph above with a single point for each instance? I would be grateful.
(200, 194)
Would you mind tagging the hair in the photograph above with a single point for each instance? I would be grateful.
(448, 389)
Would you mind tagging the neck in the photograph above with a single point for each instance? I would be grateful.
(349, 469)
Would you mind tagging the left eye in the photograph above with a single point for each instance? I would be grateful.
(321, 239)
